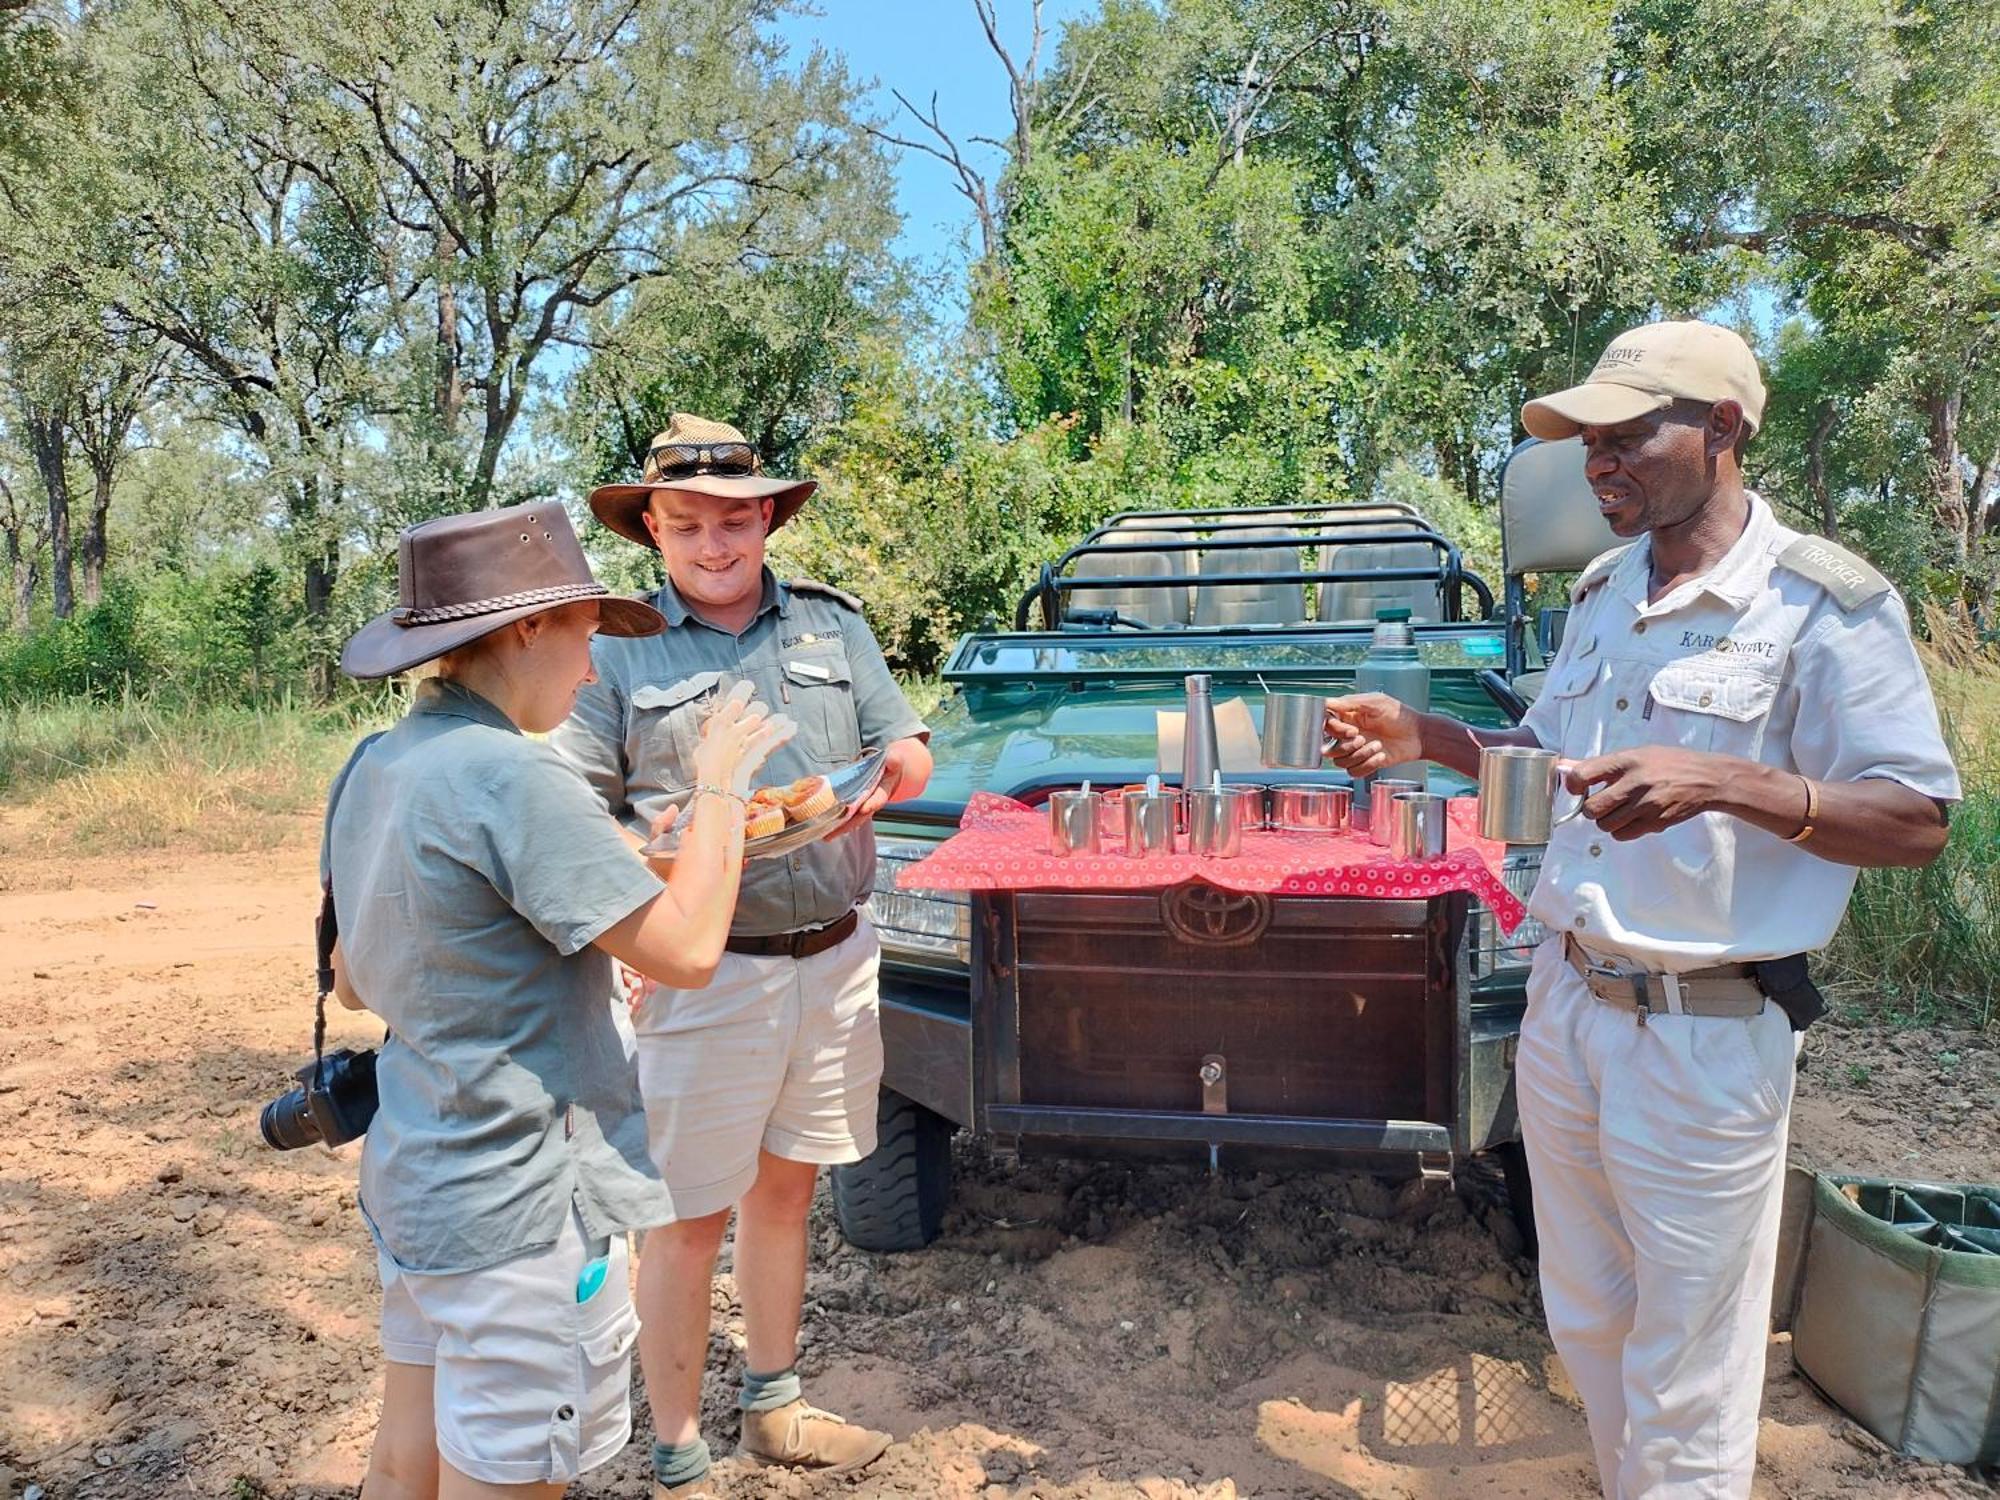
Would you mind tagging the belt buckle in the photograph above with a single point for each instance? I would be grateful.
(1598, 970)
(1642, 997)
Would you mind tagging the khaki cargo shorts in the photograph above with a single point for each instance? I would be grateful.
(776, 1054)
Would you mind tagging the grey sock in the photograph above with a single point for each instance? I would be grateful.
(679, 1463)
(769, 1392)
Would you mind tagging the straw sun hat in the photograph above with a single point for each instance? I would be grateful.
(699, 457)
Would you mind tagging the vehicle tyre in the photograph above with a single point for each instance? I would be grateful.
(894, 1198)
(1520, 1193)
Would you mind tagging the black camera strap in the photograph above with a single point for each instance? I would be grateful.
(326, 930)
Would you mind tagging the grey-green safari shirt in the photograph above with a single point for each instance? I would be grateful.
(472, 870)
(810, 654)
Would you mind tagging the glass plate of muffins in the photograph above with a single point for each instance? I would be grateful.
(782, 819)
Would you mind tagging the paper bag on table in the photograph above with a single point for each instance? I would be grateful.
(1236, 740)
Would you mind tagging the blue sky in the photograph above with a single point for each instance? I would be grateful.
(921, 46)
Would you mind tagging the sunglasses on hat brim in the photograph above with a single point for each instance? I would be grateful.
(665, 461)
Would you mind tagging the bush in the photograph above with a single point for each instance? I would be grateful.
(98, 653)
(1924, 945)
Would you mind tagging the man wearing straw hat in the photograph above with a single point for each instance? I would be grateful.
(754, 1083)
(1746, 719)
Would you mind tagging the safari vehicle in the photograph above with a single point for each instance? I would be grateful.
(1195, 1023)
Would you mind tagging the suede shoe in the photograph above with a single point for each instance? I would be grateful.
(694, 1489)
(799, 1436)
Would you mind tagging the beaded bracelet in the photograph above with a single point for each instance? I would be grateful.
(720, 791)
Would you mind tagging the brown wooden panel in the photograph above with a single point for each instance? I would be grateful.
(1335, 1010)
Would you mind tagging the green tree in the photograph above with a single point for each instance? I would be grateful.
(1852, 151)
(538, 163)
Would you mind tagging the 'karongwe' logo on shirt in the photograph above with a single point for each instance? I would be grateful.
(1728, 645)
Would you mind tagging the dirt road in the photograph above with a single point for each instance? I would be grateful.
(185, 1312)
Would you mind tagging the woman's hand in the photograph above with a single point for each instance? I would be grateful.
(736, 741)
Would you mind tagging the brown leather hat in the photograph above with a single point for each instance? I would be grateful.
(699, 457)
(462, 577)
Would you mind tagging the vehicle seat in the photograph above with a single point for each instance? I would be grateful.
(1251, 603)
(1156, 606)
(1358, 601)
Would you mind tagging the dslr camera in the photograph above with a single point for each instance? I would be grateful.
(333, 1105)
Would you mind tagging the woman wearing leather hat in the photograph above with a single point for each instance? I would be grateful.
(773, 1071)
(482, 895)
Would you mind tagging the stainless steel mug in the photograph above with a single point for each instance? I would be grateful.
(1215, 821)
(1519, 787)
(1253, 807)
(1382, 796)
(1073, 823)
(1339, 809)
(1416, 825)
(1313, 809)
(1111, 813)
(1300, 809)
(1294, 731)
(1149, 822)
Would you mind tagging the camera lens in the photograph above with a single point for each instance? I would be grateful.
(287, 1124)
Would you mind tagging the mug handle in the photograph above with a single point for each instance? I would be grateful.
(1562, 787)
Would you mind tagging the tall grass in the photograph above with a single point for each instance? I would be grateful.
(141, 773)
(1922, 946)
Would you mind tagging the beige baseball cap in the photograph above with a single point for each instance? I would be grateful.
(1648, 369)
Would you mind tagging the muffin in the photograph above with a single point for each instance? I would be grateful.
(807, 798)
(762, 819)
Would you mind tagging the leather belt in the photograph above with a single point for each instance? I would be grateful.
(1725, 990)
(803, 944)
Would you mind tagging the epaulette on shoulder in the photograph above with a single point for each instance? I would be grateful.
(814, 586)
(1849, 580)
(1599, 570)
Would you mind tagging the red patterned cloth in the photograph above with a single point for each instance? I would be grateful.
(1002, 845)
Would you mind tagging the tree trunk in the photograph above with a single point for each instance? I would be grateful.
(93, 552)
(1823, 425)
(321, 571)
(450, 395)
(1947, 478)
(49, 442)
(21, 570)
(1982, 515)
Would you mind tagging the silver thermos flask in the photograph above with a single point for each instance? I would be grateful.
(1200, 758)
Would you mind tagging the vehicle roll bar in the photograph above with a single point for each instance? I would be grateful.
(1450, 573)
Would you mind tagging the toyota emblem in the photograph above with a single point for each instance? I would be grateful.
(1204, 916)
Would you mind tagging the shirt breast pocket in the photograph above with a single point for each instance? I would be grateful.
(1578, 734)
(666, 728)
(820, 693)
(1707, 708)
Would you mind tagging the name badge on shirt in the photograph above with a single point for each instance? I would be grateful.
(810, 669)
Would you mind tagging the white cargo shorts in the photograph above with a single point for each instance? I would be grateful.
(776, 1054)
(531, 1385)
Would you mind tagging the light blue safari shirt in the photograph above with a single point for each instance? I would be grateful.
(472, 870)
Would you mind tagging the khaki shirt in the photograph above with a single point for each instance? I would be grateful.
(1788, 652)
(809, 653)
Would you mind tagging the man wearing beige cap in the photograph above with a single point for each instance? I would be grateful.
(772, 1072)
(1744, 714)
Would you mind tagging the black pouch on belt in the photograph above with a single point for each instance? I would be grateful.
(1786, 982)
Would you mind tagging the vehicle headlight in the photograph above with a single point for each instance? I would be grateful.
(922, 927)
(1491, 948)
